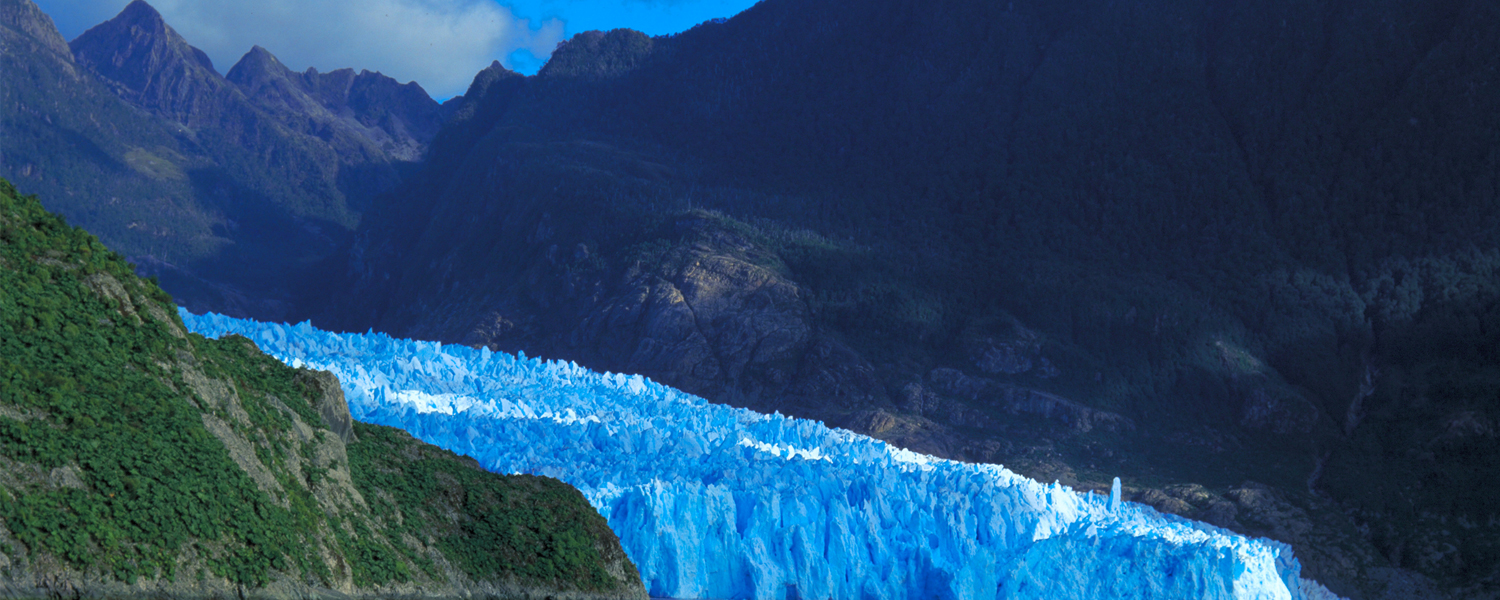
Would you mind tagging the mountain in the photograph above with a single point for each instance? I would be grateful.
(26, 19)
(152, 66)
(230, 196)
(399, 118)
(1241, 254)
(138, 460)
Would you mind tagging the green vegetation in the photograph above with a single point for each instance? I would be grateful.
(135, 450)
(520, 526)
(91, 390)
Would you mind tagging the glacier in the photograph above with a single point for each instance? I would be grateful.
(711, 501)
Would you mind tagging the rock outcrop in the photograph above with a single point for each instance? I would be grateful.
(153, 67)
(713, 313)
(399, 119)
(26, 18)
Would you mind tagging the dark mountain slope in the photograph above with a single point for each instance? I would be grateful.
(399, 118)
(137, 460)
(1240, 253)
(227, 197)
(112, 166)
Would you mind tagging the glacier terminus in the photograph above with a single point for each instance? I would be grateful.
(711, 501)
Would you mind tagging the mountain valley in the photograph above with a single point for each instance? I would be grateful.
(1243, 256)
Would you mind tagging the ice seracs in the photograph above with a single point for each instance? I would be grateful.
(717, 502)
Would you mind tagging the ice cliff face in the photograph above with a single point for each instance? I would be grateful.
(716, 502)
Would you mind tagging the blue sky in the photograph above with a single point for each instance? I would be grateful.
(654, 17)
(440, 44)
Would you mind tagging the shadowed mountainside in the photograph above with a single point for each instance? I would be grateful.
(227, 192)
(1243, 255)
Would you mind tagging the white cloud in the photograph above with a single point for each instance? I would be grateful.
(440, 44)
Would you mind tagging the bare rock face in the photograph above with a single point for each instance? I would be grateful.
(837, 376)
(1007, 348)
(24, 16)
(1277, 409)
(331, 405)
(1018, 400)
(151, 65)
(713, 320)
(715, 315)
(398, 119)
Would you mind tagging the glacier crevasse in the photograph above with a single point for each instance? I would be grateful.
(711, 501)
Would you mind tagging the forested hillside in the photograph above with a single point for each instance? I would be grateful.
(138, 460)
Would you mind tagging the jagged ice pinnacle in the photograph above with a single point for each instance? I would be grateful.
(716, 502)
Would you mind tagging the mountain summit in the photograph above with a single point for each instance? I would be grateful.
(151, 64)
(398, 118)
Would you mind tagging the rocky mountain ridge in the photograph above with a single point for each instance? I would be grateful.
(399, 118)
(228, 194)
(152, 66)
(28, 19)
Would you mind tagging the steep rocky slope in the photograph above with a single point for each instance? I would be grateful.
(397, 118)
(1240, 254)
(137, 460)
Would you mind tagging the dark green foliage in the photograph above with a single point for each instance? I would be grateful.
(241, 361)
(103, 421)
(520, 526)
(101, 394)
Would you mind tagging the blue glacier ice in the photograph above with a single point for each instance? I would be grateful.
(718, 502)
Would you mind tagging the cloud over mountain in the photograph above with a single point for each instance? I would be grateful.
(438, 43)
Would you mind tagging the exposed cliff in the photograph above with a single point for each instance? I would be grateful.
(153, 67)
(138, 460)
(27, 19)
(397, 118)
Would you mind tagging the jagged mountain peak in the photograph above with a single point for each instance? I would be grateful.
(487, 76)
(139, 13)
(150, 64)
(255, 68)
(146, 26)
(398, 119)
(271, 85)
(258, 52)
(26, 17)
(484, 81)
